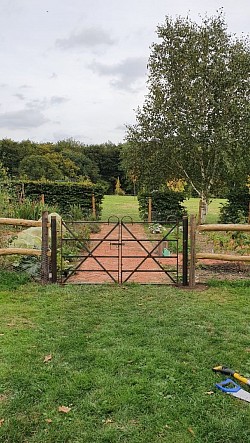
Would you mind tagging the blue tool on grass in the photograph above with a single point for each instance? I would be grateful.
(230, 387)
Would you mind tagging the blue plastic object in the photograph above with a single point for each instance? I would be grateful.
(222, 386)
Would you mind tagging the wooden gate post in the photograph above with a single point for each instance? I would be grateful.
(150, 209)
(53, 249)
(93, 206)
(192, 251)
(185, 251)
(45, 248)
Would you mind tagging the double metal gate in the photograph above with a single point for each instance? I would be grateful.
(121, 251)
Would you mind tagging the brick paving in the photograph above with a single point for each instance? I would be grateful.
(109, 263)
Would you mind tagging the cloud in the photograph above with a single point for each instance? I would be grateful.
(125, 74)
(20, 96)
(87, 38)
(120, 128)
(46, 103)
(53, 76)
(57, 100)
(23, 119)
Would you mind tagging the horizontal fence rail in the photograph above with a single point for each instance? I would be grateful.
(229, 227)
(20, 222)
(212, 256)
(22, 251)
(44, 252)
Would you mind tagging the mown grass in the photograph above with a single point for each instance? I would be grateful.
(133, 363)
(120, 206)
(192, 205)
(116, 205)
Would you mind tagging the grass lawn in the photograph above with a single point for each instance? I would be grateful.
(133, 363)
(192, 205)
(128, 205)
(120, 206)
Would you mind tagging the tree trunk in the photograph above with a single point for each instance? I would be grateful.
(203, 209)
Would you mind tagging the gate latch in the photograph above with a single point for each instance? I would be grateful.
(118, 243)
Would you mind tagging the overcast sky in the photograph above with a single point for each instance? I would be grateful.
(77, 68)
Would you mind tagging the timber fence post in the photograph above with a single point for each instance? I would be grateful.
(93, 206)
(45, 248)
(53, 249)
(149, 209)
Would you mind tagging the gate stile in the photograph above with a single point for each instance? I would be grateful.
(126, 252)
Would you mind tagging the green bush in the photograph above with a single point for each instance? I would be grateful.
(237, 207)
(30, 210)
(165, 204)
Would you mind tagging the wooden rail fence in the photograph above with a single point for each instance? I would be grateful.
(212, 256)
(45, 252)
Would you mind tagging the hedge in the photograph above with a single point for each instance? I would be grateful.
(165, 204)
(63, 194)
(236, 210)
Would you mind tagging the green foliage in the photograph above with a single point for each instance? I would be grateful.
(165, 204)
(5, 209)
(75, 239)
(64, 160)
(3, 173)
(30, 209)
(64, 194)
(118, 188)
(194, 124)
(12, 280)
(29, 265)
(76, 212)
(236, 209)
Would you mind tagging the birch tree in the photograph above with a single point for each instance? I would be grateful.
(194, 123)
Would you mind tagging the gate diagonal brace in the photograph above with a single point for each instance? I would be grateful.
(149, 254)
(90, 253)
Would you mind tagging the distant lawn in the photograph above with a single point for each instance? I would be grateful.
(120, 206)
(132, 363)
(127, 205)
(192, 205)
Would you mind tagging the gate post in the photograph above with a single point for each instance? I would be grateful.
(185, 252)
(149, 209)
(192, 251)
(93, 206)
(45, 248)
(53, 249)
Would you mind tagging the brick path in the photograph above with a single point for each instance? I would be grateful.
(119, 262)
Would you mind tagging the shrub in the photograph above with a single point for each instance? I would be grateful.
(237, 207)
(165, 203)
(30, 210)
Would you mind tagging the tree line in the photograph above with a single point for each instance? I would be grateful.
(66, 160)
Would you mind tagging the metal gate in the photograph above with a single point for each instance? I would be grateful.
(121, 251)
